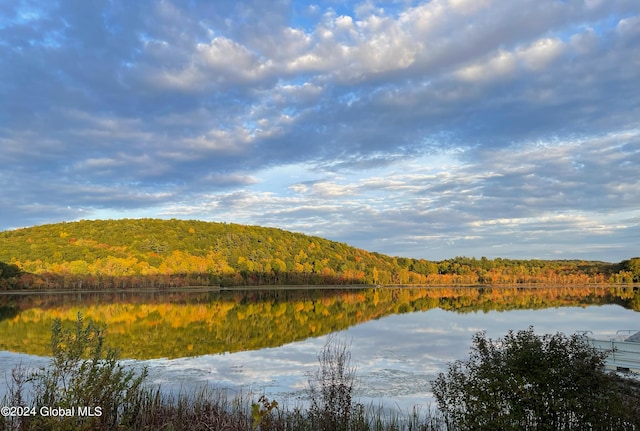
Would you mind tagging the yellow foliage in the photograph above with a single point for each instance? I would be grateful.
(280, 309)
(265, 322)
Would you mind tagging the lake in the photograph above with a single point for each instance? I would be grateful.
(267, 341)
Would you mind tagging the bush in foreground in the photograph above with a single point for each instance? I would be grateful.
(530, 382)
(84, 388)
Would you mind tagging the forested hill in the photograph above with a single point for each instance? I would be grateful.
(153, 253)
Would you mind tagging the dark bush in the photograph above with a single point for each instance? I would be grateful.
(530, 382)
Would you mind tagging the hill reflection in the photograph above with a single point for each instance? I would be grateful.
(171, 324)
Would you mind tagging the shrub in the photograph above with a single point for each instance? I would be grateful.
(83, 376)
(527, 382)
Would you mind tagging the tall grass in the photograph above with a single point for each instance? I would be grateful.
(212, 409)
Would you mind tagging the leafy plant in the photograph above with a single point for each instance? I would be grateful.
(261, 412)
(86, 377)
(526, 382)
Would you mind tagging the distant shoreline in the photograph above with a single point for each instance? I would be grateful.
(196, 289)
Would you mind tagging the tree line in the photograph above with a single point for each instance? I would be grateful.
(159, 253)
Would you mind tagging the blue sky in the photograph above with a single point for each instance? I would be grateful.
(423, 129)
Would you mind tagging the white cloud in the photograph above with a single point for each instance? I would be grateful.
(467, 7)
(541, 53)
(220, 141)
(504, 64)
(629, 27)
(226, 57)
(499, 67)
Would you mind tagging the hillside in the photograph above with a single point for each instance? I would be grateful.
(153, 253)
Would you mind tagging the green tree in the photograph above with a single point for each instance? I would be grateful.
(632, 266)
(8, 270)
(8, 275)
(530, 382)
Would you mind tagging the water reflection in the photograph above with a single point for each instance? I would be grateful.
(396, 356)
(400, 338)
(148, 325)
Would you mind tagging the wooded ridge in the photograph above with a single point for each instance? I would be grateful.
(157, 253)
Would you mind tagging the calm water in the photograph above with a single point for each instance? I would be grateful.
(398, 341)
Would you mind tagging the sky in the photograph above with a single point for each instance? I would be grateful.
(426, 129)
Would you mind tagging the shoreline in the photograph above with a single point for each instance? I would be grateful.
(308, 287)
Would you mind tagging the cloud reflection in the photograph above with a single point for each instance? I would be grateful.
(396, 356)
